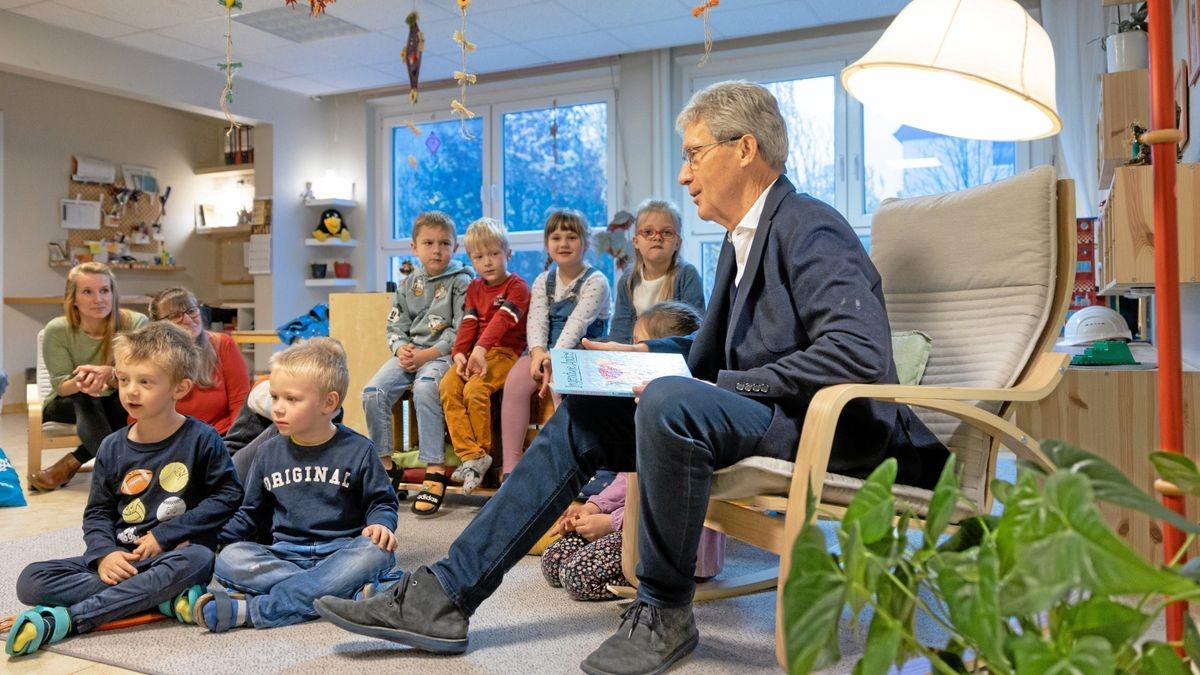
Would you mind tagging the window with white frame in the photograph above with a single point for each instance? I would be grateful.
(840, 152)
(518, 159)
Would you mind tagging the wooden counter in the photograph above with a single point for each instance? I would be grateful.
(1114, 414)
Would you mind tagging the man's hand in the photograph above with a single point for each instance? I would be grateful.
(147, 546)
(460, 366)
(615, 346)
(593, 526)
(477, 363)
(116, 567)
(567, 522)
(381, 537)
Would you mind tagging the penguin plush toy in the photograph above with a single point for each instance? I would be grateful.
(331, 225)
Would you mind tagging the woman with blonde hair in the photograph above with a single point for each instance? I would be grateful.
(224, 381)
(658, 275)
(77, 350)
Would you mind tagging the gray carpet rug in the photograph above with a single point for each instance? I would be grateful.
(526, 626)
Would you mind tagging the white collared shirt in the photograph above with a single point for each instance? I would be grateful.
(742, 236)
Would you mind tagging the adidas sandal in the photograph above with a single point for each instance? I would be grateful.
(20, 641)
(428, 496)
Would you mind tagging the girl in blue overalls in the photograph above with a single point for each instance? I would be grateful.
(568, 302)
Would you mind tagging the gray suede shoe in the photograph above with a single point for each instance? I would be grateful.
(655, 638)
(416, 612)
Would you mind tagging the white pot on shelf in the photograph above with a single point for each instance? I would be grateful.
(1127, 51)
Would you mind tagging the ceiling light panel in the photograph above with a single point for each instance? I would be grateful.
(298, 25)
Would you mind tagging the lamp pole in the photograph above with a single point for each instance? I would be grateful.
(1163, 139)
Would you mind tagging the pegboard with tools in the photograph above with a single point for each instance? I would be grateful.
(127, 216)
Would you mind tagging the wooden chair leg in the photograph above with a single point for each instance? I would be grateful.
(34, 414)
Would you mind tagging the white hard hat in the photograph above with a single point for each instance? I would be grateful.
(1095, 323)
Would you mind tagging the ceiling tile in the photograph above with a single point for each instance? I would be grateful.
(144, 14)
(301, 85)
(741, 20)
(529, 22)
(581, 46)
(176, 49)
(359, 49)
(439, 34)
(253, 70)
(73, 19)
(657, 34)
(358, 77)
(432, 68)
(9, 4)
(377, 15)
(616, 13)
(828, 12)
(210, 34)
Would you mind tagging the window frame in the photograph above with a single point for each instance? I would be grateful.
(491, 104)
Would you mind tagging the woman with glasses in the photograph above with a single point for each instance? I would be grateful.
(224, 382)
(658, 275)
(77, 351)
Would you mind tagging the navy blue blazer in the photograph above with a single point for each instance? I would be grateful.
(808, 313)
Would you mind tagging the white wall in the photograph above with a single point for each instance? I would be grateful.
(287, 153)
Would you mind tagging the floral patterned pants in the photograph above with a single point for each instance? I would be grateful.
(584, 568)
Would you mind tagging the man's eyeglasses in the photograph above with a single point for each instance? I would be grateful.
(651, 233)
(689, 154)
(191, 313)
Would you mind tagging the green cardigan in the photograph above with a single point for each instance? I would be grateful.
(64, 349)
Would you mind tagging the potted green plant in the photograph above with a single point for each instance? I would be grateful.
(1044, 587)
(1128, 47)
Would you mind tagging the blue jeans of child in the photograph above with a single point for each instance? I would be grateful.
(680, 432)
(71, 583)
(387, 386)
(285, 578)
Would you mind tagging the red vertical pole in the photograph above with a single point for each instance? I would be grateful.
(1166, 272)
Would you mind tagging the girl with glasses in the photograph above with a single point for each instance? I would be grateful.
(77, 350)
(224, 380)
(658, 275)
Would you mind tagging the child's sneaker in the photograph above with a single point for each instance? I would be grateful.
(472, 472)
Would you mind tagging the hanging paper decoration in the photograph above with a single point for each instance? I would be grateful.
(230, 65)
(416, 131)
(411, 54)
(702, 11)
(315, 7)
(459, 106)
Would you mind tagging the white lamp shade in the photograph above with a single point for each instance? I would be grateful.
(979, 69)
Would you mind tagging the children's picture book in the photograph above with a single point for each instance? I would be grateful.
(601, 373)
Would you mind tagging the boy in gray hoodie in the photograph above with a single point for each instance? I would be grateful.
(421, 330)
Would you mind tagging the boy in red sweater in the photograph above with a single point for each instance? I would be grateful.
(490, 338)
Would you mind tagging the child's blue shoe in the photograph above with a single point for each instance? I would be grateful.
(219, 610)
(34, 628)
(182, 607)
(380, 583)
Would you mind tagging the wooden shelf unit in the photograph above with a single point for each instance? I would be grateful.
(1125, 230)
(139, 267)
(332, 202)
(331, 242)
(330, 282)
(1124, 99)
(230, 169)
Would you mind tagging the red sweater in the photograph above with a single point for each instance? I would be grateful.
(219, 404)
(494, 316)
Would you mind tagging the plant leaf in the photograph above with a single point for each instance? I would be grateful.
(1178, 469)
(970, 532)
(883, 645)
(815, 593)
(1159, 658)
(1116, 622)
(1111, 485)
(873, 506)
(1191, 638)
(969, 583)
(941, 505)
(1090, 655)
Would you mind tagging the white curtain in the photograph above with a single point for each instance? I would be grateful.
(1074, 26)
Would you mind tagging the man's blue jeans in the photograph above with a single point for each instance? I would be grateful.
(387, 386)
(680, 432)
(71, 583)
(285, 578)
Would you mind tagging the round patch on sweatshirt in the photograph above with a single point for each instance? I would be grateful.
(173, 477)
(170, 508)
(135, 482)
(134, 512)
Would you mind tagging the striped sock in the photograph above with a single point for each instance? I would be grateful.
(241, 614)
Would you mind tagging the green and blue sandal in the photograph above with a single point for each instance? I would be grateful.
(35, 628)
(183, 607)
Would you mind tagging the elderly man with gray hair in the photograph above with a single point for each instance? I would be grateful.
(796, 306)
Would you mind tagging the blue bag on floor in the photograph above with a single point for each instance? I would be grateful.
(10, 483)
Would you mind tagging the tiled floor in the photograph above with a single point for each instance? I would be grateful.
(46, 512)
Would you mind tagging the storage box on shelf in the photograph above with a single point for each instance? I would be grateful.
(1125, 232)
(331, 243)
(1124, 99)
